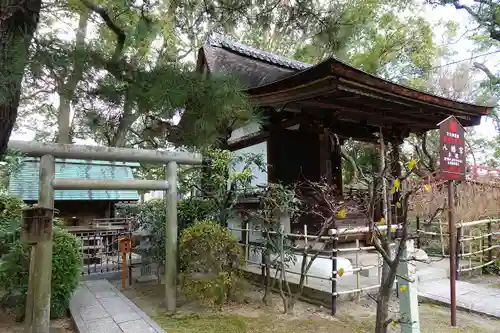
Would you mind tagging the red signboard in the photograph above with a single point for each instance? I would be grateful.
(452, 144)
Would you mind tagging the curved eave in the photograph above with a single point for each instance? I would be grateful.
(332, 75)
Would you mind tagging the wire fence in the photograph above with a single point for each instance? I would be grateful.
(349, 269)
(477, 243)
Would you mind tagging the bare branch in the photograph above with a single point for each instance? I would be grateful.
(492, 77)
(425, 150)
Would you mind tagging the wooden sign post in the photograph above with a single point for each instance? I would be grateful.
(125, 247)
(452, 168)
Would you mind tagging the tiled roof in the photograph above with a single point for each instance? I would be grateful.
(219, 40)
(24, 182)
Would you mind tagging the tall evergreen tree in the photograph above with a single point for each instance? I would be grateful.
(18, 22)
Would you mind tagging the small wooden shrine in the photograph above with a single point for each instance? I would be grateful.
(304, 105)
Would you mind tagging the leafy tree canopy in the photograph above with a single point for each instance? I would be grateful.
(127, 76)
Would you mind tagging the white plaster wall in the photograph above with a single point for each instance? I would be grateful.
(154, 195)
(259, 176)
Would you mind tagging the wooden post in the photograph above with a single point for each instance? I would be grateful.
(336, 167)
(490, 243)
(396, 173)
(452, 162)
(306, 245)
(471, 235)
(481, 255)
(334, 271)
(171, 239)
(418, 232)
(130, 267)
(386, 208)
(453, 251)
(460, 247)
(358, 281)
(40, 275)
(246, 240)
(124, 270)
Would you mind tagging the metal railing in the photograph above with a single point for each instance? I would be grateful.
(99, 245)
(353, 281)
(100, 251)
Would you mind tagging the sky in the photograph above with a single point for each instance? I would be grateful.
(463, 48)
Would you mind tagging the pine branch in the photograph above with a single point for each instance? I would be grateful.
(120, 34)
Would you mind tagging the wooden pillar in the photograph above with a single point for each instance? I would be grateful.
(40, 274)
(396, 170)
(269, 153)
(325, 163)
(336, 166)
(171, 239)
(274, 129)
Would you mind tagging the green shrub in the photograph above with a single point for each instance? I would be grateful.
(66, 264)
(192, 210)
(151, 215)
(10, 220)
(210, 262)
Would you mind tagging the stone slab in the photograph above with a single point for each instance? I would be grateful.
(119, 311)
(103, 325)
(470, 297)
(104, 294)
(98, 307)
(92, 312)
(136, 326)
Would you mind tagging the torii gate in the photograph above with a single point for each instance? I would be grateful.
(40, 275)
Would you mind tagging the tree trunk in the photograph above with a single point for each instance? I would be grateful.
(382, 311)
(267, 298)
(126, 121)
(67, 90)
(18, 22)
(385, 292)
(64, 120)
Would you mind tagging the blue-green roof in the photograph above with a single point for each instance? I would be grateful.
(24, 182)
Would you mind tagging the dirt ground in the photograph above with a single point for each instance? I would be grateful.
(251, 316)
(8, 324)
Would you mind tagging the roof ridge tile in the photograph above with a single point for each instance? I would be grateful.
(220, 40)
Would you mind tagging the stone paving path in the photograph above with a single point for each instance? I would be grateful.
(98, 307)
(470, 297)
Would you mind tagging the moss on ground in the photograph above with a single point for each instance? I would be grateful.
(251, 316)
(231, 323)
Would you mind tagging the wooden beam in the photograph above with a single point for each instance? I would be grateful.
(248, 141)
(314, 89)
(377, 117)
(413, 113)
